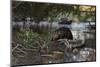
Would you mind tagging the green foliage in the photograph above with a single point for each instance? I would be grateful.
(40, 11)
(30, 39)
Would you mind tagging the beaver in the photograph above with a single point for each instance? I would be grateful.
(62, 33)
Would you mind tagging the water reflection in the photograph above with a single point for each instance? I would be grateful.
(78, 29)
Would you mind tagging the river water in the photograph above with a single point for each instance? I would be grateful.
(80, 30)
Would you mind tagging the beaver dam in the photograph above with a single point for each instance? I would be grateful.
(54, 43)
